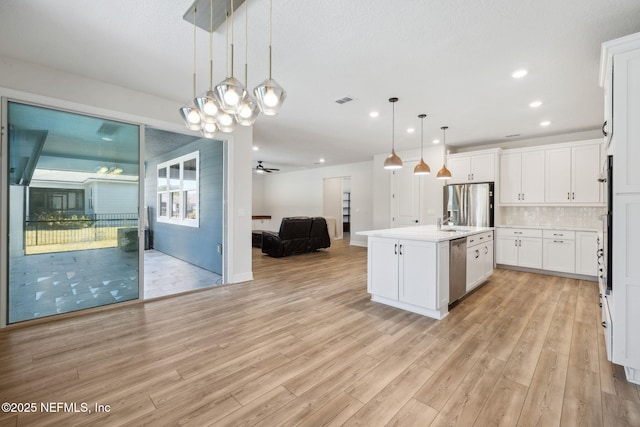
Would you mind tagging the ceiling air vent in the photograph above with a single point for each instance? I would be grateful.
(513, 135)
(344, 100)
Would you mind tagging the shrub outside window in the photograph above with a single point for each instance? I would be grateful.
(178, 190)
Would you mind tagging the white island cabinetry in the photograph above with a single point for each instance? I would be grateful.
(408, 267)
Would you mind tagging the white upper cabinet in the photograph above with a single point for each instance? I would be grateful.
(472, 167)
(521, 177)
(571, 174)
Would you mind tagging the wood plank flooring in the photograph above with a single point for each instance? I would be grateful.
(302, 344)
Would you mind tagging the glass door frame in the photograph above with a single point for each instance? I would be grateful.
(74, 108)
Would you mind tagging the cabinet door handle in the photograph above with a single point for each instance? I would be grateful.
(518, 196)
(477, 254)
(558, 241)
(515, 242)
(604, 324)
(573, 196)
(400, 249)
(395, 249)
(520, 243)
(604, 125)
(558, 234)
(568, 196)
(486, 250)
(517, 232)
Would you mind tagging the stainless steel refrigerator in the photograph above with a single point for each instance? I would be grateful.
(469, 204)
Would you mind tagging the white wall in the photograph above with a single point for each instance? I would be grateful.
(257, 195)
(300, 193)
(46, 86)
(115, 197)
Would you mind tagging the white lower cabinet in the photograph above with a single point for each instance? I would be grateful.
(559, 251)
(409, 274)
(563, 251)
(479, 259)
(521, 247)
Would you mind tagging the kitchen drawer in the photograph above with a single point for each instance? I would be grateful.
(519, 232)
(559, 234)
(477, 239)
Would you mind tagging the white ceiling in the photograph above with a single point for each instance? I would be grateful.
(449, 59)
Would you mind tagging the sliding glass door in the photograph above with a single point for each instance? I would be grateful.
(72, 186)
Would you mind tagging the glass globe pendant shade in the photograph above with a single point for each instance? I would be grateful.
(422, 168)
(230, 94)
(207, 105)
(393, 161)
(209, 127)
(226, 122)
(249, 112)
(191, 116)
(270, 96)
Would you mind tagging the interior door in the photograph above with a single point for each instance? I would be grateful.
(405, 197)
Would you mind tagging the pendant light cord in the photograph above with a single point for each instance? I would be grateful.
(393, 127)
(226, 29)
(246, 42)
(194, 50)
(270, 36)
(231, 38)
(421, 138)
(211, 47)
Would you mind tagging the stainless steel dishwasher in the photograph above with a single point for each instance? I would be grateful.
(457, 269)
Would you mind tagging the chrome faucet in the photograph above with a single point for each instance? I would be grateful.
(441, 221)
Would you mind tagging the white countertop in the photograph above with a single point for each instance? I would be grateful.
(426, 233)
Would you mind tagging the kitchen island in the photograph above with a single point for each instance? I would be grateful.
(409, 267)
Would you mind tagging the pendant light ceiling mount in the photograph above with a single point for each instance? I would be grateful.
(393, 161)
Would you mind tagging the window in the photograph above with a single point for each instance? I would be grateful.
(178, 188)
(59, 200)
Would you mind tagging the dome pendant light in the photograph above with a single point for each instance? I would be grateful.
(206, 103)
(422, 168)
(444, 173)
(269, 94)
(393, 161)
(189, 112)
(230, 93)
(249, 110)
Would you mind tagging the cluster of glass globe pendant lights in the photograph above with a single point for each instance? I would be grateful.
(393, 161)
(228, 104)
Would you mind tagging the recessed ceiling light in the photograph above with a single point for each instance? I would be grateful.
(518, 74)
(411, 130)
(374, 114)
(106, 138)
(321, 160)
(436, 141)
(545, 123)
(255, 148)
(535, 104)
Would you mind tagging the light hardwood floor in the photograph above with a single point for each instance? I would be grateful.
(302, 344)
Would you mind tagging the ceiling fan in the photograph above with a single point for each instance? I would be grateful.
(261, 169)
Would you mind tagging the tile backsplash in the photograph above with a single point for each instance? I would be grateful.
(552, 216)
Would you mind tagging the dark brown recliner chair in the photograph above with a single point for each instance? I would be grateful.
(297, 235)
(319, 235)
